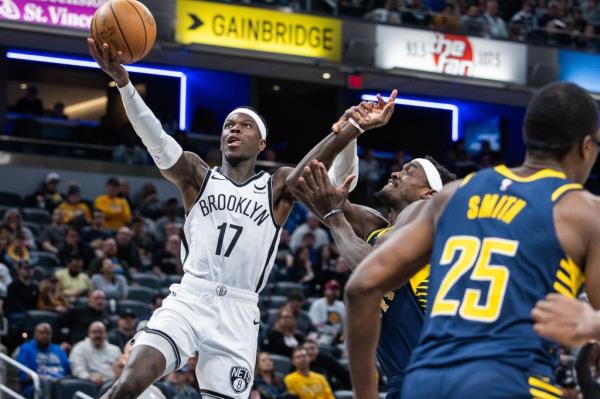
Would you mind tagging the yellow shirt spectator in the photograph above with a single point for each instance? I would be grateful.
(115, 209)
(72, 211)
(311, 386)
(72, 281)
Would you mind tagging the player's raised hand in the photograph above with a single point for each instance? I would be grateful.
(318, 192)
(567, 321)
(111, 66)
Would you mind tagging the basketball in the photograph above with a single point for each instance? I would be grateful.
(127, 26)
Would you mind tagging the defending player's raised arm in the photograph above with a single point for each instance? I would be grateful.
(185, 169)
(386, 268)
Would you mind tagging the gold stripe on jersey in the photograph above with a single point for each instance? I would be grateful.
(542, 395)
(563, 189)
(375, 234)
(467, 179)
(540, 174)
(569, 278)
(546, 386)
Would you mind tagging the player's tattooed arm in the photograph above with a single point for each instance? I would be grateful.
(187, 174)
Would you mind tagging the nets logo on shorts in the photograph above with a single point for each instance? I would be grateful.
(239, 378)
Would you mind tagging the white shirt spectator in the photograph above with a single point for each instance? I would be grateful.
(90, 362)
(311, 226)
(495, 27)
(5, 279)
(328, 314)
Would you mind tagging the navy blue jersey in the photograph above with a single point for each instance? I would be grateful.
(496, 253)
(401, 322)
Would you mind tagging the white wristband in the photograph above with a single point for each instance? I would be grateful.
(356, 125)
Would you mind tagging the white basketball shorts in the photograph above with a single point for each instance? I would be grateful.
(220, 323)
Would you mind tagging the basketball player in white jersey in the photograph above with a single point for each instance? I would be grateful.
(231, 232)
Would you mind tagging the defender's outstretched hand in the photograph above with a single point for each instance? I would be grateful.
(567, 321)
(367, 114)
(111, 66)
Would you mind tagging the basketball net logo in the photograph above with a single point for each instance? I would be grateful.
(453, 54)
(9, 10)
(239, 377)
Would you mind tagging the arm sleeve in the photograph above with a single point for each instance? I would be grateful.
(344, 165)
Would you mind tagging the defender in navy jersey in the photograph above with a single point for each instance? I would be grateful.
(499, 241)
(402, 309)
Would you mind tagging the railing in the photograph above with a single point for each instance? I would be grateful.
(81, 395)
(37, 391)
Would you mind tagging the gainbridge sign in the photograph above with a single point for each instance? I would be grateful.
(258, 29)
(450, 54)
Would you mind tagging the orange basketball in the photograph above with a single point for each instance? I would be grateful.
(127, 26)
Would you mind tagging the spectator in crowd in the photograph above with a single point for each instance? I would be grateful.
(14, 221)
(178, 384)
(266, 381)
(94, 234)
(115, 209)
(109, 250)
(77, 320)
(143, 242)
(43, 357)
(295, 302)
(447, 21)
(328, 313)
(152, 392)
(94, 358)
(47, 196)
(416, 14)
(5, 280)
(124, 191)
(524, 21)
(125, 330)
(171, 216)
(325, 260)
(283, 337)
(73, 208)
(591, 11)
(298, 215)
(326, 365)
(300, 270)
(471, 23)
(553, 19)
(150, 206)
(74, 245)
(30, 103)
(311, 226)
(58, 111)
(6, 237)
(303, 382)
(126, 251)
(493, 24)
(50, 296)
(113, 285)
(17, 250)
(129, 154)
(388, 14)
(168, 261)
(71, 281)
(22, 293)
(53, 235)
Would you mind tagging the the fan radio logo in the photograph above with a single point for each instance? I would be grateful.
(453, 54)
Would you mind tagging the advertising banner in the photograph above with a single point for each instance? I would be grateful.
(450, 54)
(258, 29)
(73, 14)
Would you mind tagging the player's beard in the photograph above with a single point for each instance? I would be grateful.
(384, 198)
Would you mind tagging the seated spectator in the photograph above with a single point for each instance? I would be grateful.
(283, 337)
(389, 14)
(113, 285)
(178, 384)
(305, 383)
(143, 242)
(58, 111)
(324, 364)
(50, 296)
(53, 235)
(300, 270)
(150, 206)
(295, 302)
(126, 251)
(94, 358)
(109, 250)
(125, 330)
(43, 357)
(77, 320)
(284, 253)
(340, 273)
(124, 191)
(14, 221)
(447, 21)
(47, 196)
(416, 14)
(94, 234)
(71, 281)
(168, 261)
(524, 21)
(311, 226)
(494, 25)
(591, 11)
(115, 209)
(471, 23)
(30, 103)
(74, 245)
(171, 216)
(266, 381)
(5, 280)
(17, 250)
(22, 293)
(328, 313)
(129, 154)
(73, 208)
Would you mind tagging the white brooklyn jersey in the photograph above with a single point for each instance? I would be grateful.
(230, 232)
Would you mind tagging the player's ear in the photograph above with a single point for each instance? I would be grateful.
(428, 194)
(262, 145)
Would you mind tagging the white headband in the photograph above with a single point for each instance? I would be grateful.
(433, 176)
(261, 126)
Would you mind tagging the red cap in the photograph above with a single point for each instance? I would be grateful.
(332, 285)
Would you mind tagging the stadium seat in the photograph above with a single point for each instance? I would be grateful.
(283, 288)
(171, 279)
(10, 199)
(345, 363)
(272, 316)
(282, 364)
(276, 301)
(45, 259)
(142, 310)
(35, 317)
(35, 228)
(36, 215)
(142, 294)
(146, 279)
(66, 388)
(343, 394)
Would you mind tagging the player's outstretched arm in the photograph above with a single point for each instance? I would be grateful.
(386, 268)
(565, 320)
(185, 169)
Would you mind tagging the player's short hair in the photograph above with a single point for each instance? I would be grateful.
(445, 174)
(559, 116)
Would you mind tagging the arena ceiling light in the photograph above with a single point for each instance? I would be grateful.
(424, 104)
(87, 63)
